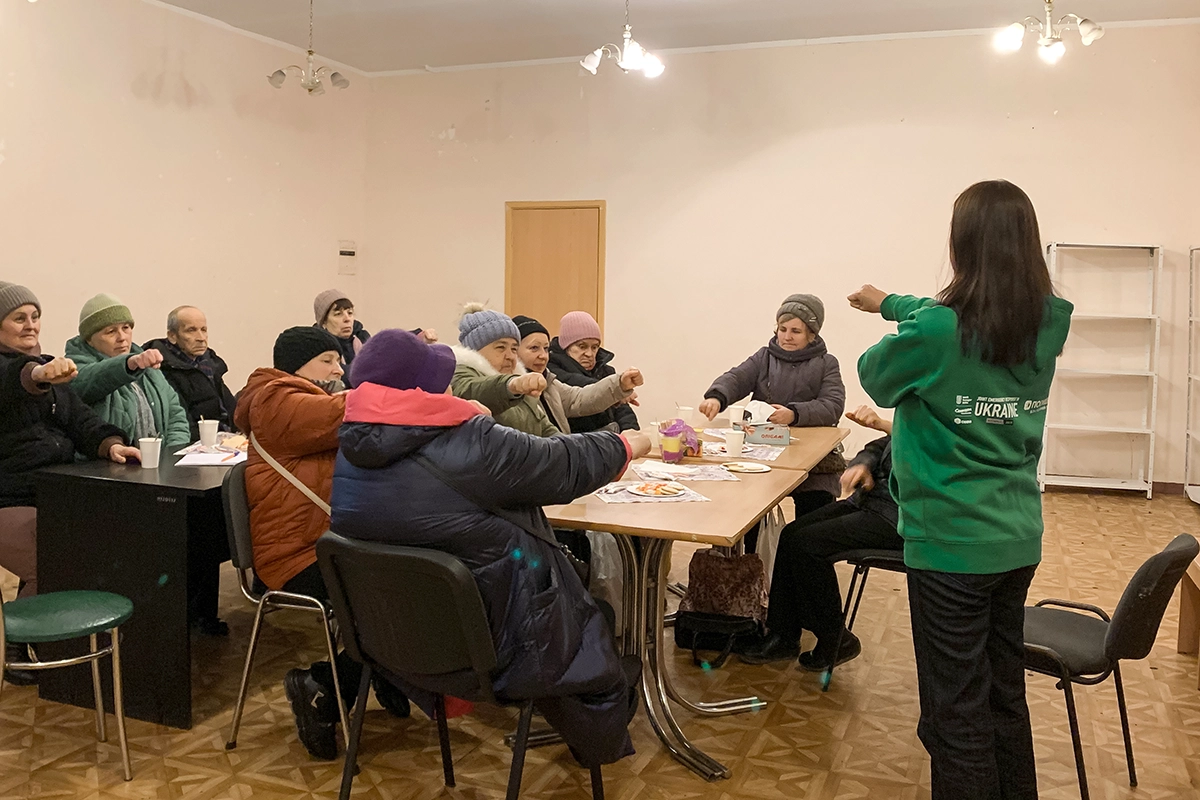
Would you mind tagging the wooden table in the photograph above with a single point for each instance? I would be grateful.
(1189, 611)
(808, 447)
(736, 507)
(124, 529)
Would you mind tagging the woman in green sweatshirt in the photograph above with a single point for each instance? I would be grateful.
(969, 376)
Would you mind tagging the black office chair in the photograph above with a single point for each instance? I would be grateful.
(863, 561)
(1076, 648)
(241, 550)
(416, 614)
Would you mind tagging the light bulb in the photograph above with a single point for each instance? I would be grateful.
(591, 61)
(1052, 51)
(1089, 31)
(652, 67)
(1009, 40)
(277, 78)
(633, 57)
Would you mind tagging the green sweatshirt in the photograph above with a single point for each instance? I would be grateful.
(966, 440)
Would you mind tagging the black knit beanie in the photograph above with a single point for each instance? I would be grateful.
(295, 347)
(528, 325)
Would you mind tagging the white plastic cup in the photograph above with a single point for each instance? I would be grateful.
(208, 432)
(735, 442)
(150, 449)
(737, 416)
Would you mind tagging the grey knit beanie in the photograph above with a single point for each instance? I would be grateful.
(481, 326)
(13, 296)
(807, 308)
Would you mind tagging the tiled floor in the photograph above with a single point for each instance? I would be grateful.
(856, 741)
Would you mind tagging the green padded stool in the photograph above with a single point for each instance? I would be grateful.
(59, 616)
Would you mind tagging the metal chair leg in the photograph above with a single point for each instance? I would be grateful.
(597, 783)
(249, 665)
(862, 585)
(119, 701)
(331, 646)
(1073, 719)
(1125, 725)
(354, 734)
(848, 614)
(439, 709)
(518, 758)
(101, 734)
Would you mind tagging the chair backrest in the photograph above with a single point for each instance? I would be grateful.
(1138, 615)
(412, 611)
(237, 517)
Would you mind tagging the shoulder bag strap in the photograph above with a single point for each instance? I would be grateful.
(292, 479)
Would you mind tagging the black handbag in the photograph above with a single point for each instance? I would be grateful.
(724, 605)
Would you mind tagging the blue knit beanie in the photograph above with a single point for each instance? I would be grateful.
(481, 326)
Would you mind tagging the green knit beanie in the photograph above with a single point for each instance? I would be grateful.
(100, 312)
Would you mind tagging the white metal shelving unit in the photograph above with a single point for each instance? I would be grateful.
(1193, 435)
(1108, 372)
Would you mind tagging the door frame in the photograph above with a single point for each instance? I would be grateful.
(511, 206)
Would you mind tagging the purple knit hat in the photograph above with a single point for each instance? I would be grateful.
(397, 359)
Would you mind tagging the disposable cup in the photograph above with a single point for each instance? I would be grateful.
(208, 432)
(737, 415)
(734, 442)
(150, 449)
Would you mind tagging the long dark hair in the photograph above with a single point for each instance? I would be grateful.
(1000, 284)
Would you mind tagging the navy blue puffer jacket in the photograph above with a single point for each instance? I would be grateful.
(552, 644)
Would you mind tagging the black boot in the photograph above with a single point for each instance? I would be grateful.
(821, 657)
(390, 697)
(773, 648)
(315, 709)
(18, 677)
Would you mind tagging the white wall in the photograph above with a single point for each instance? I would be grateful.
(739, 177)
(145, 155)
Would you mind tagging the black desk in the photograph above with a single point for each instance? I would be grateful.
(124, 529)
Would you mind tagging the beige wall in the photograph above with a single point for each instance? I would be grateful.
(739, 177)
(144, 154)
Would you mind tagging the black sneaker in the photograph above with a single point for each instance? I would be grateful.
(210, 626)
(391, 698)
(773, 648)
(819, 659)
(311, 704)
(18, 677)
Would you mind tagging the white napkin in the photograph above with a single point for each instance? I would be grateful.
(759, 411)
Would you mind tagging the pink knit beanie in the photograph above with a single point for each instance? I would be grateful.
(577, 325)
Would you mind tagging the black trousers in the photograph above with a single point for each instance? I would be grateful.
(968, 634)
(806, 503)
(309, 581)
(804, 586)
(208, 548)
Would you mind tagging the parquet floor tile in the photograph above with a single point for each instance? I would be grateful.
(856, 741)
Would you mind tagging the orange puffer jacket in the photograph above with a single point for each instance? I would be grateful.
(297, 423)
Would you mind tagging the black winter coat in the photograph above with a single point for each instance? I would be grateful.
(201, 396)
(41, 430)
(552, 643)
(877, 457)
(569, 371)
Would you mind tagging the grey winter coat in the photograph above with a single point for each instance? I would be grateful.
(808, 381)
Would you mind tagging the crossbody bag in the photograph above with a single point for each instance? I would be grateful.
(292, 479)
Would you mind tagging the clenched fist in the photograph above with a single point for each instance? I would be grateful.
(147, 359)
(60, 370)
(710, 408)
(531, 384)
(631, 379)
(868, 299)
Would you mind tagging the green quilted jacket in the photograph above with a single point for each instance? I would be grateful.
(106, 385)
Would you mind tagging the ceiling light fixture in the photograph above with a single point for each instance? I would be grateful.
(310, 75)
(1050, 44)
(630, 56)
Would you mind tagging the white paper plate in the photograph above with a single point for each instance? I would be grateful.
(639, 493)
(745, 466)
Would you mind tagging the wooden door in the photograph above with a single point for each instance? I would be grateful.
(554, 260)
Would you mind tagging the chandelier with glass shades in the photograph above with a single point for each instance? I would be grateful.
(311, 76)
(630, 56)
(1050, 44)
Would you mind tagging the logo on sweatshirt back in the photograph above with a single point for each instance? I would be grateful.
(997, 410)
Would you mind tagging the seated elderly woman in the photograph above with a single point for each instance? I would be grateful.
(42, 423)
(293, 411)
(335, 313)
(489, 372)
(406, 437)
(121, 382)
(125, 385)
(577, 359)
(564, 401)
(797, 375)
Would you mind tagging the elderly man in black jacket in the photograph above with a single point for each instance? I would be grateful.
(194, 370)
(804, 586)
(422, 468)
